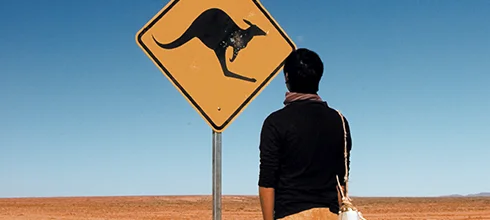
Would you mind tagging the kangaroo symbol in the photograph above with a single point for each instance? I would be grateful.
(215, 29)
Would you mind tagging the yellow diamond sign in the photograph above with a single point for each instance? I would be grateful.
(220, 54)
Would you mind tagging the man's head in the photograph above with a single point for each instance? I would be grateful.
(303, 70)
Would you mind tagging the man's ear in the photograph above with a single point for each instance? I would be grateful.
(286, 80)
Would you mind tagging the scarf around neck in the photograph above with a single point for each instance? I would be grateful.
(293, 96)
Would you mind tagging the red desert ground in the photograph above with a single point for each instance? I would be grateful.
(234, 207)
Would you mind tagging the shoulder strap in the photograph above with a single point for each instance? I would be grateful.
(346, 176)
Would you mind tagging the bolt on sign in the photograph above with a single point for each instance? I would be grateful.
(219, 54)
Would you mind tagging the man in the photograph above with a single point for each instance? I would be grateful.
(303, 148)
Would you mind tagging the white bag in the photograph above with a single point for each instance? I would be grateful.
(347, 210)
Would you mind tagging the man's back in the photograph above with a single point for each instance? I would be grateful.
(302, 151)
(302, 147)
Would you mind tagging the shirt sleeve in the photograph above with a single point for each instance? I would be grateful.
(344, 168)
(269, 154)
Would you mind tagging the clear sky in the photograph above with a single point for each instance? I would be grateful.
(85, 112)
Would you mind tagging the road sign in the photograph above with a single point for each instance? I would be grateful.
(219, 54)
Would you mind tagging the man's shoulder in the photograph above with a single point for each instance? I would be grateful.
(275, 115)
(335, 110)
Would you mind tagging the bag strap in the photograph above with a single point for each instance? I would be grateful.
(346, 176)
(346, 201)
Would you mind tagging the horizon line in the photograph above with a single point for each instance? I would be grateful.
(224, 195)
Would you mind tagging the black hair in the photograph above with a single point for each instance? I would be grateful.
(305, 70)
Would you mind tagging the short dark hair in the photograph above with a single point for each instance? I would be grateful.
(305, 70)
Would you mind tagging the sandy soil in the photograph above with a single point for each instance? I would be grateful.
(234, 207)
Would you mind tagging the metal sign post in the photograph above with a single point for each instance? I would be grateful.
(216, 175)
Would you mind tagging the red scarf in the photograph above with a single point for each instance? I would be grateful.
(293, 96)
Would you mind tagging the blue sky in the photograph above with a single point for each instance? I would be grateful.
(85, 112)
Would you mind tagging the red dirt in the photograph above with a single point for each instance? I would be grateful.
(234, 207)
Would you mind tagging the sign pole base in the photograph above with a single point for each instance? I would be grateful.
(216, 175)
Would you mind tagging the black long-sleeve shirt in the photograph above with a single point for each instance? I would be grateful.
(301, 151)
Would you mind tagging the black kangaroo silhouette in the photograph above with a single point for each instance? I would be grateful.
(218, 31)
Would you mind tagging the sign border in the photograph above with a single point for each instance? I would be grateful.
(247, 101)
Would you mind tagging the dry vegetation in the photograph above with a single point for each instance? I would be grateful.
(234, 207)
